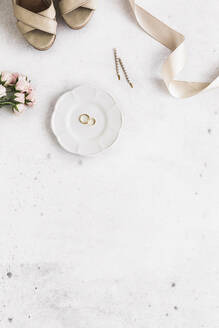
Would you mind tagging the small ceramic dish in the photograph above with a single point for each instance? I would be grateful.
(86, 120)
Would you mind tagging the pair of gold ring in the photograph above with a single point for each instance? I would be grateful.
(86, 119)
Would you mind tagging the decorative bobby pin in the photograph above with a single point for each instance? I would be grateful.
(125, 72)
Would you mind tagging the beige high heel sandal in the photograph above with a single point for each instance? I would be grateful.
(77, 13)
(36, 20)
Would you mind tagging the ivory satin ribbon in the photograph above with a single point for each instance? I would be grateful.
(176, 60)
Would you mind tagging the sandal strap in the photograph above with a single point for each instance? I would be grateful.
(66, 6)
(29, 21)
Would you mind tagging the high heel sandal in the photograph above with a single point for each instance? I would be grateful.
(77, 13)
(36, 20)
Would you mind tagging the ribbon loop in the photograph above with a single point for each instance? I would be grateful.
(176, 60)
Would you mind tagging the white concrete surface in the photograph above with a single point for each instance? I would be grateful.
(128, 238)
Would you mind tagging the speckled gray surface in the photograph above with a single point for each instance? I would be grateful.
(129, 238)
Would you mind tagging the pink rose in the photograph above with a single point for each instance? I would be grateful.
(30, 90)
(22, 86)
(19, 108)
(19, 97)
(6, 78)
(15, 77)
(30, 99)
(2, 91)
(22, 77)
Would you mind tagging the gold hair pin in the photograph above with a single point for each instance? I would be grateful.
(125, 73)
(116, 63)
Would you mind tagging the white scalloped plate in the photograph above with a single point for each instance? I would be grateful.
(86, 139)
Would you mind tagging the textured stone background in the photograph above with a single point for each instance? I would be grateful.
(130, 237)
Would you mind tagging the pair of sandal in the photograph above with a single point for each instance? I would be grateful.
(36, 19)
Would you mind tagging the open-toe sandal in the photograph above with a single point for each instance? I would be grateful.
(77, 13)
(36, 20)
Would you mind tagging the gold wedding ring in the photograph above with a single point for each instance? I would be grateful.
(91, 121)
(86, 119)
